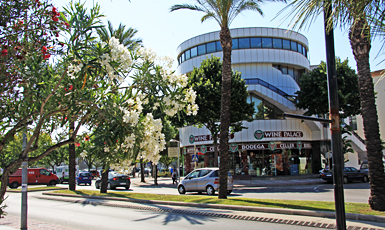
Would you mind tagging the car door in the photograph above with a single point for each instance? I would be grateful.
(203, 179)
(191, 181)
(44, 177)
(355, 174)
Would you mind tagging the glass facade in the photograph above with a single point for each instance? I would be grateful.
(271, 163)
(244, 43)
(263, 109)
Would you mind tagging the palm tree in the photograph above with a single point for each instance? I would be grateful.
(223, 12)
(355, 15)
(126, 37)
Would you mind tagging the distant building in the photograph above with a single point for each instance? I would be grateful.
(272, 62)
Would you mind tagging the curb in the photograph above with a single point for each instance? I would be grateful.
(325, 214)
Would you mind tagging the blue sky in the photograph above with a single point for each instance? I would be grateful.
(163, 31)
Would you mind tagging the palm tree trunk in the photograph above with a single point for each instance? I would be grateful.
(72, 162)
(104, 184)
(142, 171)
(359, 36)
(226, 43)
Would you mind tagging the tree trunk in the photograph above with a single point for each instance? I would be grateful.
(226, 43)
(360, 42)
(155, 171)
(103, 186)
(72, 162)
(142, 171)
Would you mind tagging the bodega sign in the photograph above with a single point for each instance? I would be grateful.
(259, 134)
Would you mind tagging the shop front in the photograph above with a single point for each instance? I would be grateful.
(257, 159)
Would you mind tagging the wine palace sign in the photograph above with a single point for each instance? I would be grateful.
(259, 134)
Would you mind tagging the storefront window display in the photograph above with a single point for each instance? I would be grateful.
(271, 163)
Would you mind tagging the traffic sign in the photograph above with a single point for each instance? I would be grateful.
(172, 151)
(203, 149)
(194, 157)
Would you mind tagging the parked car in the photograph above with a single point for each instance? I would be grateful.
(204, 180)
(84, 178)
(164, 172)
(115, 180)
(63, 173)
(94, 173)
(35, 176)
(365, 166)
(349, 174)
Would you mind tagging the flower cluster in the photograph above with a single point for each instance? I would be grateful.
(122, 166)
(132, 114)
(117, 61)
(153, 139)
(74, 69)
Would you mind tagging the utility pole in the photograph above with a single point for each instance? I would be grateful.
(24, 188)
(335, 126)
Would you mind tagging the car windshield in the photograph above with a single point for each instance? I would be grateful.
(84, 174)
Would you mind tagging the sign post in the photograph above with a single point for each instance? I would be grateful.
(24, 188)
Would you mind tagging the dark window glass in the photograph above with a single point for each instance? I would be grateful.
(303, 50)
(180, 59)
(183, 57)
(267, 43)
(210, 47)
(218, 45)
(244, 43)
(284, 69)
(255, 42)
(277, 43)
(294, 46)
(194, 52)
(187, 54)
(299, 48)
(305, 53)
(235, 43)
(291, 72)
(204, 172)
(201, 49)
(215, 174)
(286, 44)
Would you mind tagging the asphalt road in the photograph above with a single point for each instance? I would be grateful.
(49, 214)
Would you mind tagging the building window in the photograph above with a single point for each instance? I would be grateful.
(187, 53)
(194, 52)
(218, 45)
(235, 43)
(210, 47)
(256, 42)
(353, 122)
(201, 50)
(263, 109)
(244, 43)
(286, 44)
(267, 43)
(277, 43)
(294, 46)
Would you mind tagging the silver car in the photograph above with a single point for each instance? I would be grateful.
(204, 180)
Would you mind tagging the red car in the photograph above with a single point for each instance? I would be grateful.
(35, 176)
(94, 173)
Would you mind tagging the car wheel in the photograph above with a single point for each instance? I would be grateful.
(229, 192)
(210, 190)
(345, 180)
(181, 189)
(14, 184)
(52, 183)
(365, 179)
(61, 180)
(97, 185)
(108, 186)
(127, 187)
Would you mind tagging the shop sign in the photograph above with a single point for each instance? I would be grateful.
(299, 145)
(233, 148)
(272, 146)
(259, 134)
(201, 138)
(203, 149)
(191, 139)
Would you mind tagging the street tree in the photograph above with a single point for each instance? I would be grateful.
(223, 12)
(313, 94)
(207, 80)
(357, 16)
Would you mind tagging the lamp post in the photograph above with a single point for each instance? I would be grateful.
(24, 188)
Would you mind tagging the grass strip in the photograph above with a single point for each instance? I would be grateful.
(48, 188)
(356, 208)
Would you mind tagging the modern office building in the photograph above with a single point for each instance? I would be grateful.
(272, 62)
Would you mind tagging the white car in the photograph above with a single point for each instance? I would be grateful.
(204, 180)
